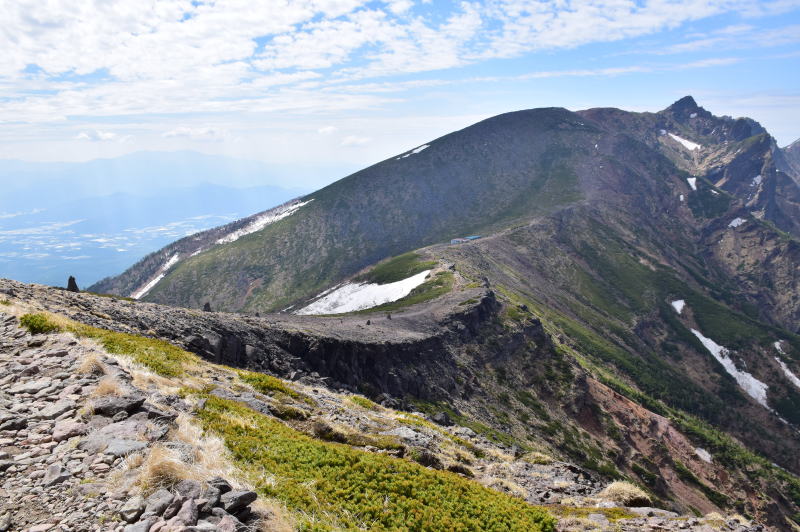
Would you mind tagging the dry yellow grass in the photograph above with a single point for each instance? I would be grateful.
(538, 458)
(108, 386)
(163, 467)
(626, 494)
(91, 365)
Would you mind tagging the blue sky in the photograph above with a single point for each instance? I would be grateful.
(345, 83)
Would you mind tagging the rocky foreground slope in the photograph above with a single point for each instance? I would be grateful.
(112, 431)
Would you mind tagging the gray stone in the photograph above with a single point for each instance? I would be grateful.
(62, 406)
(117, 447)
(173, 507)
(221, 484)
(203, 526)
(186, 516)
(212, 496)
(229, 524)
(236, 500)
(132, 509)
(5, 522)
(158, 502)
(188, 488)
(55, 474)
(142, 526)
(65, 430)
(111, 405)
(31, 387)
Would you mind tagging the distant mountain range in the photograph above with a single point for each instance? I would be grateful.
(96, 218)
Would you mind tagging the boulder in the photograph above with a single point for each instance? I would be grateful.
(132, 509)
(62, 406)
(145, 525)
(158, 502)
(55, 474)
(186, 516)
(189, 489)
(236, 500)
(31, 386)
(110, 405)
(66, 429)
(221, 484)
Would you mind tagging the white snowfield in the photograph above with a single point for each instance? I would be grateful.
(789, 374)
(777, 346)
(359, 296)
(414, 151)
(678, 305)
(736, 222)
(703, 455)
(752, 386)
(161, 273)
(269, 217)
(756, 181)
(688, 144)
(692, 182)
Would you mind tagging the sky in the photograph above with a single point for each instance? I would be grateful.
(347, 83)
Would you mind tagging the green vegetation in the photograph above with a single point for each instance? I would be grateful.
(267, 384)
(396, 269)
(38, 324)
(434, 287)
(364, 402)
(5, 302)
(705, 203)
(158, 356)
(334, 486)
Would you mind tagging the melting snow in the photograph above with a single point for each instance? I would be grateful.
(736, 222)
(161, 273)
(269, 217)
(693, 115)
(777, 346)
(789, 375)
(692, 182)
(359, 296)
(681, 197)
(752, 386)
(756, 181)
(703, 455)
(715, 192)
(688, 144)
(414, 151)
(678, 305)
(662, 132)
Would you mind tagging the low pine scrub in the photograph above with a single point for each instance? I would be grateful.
(334, 486)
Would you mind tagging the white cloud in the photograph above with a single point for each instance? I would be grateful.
(354, 140)
(327, 130)
(199, 133)
(97, 135)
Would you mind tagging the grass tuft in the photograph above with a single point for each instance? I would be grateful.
(626, 494)
(38, 323)
(268, 385)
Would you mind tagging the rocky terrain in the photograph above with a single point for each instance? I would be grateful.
(93, 440)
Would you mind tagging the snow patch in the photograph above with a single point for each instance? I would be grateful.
(714, 192)
(269, 217)
(681, 197)
(752, 386)
(703, 455)
(736, 222)
(786, 371)
(693, 115)
(415, 151)
(756, 181)
(161, 273)
(678, 305)
(688, 144)
(777, 346)
(692, 182)
(359, 296)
